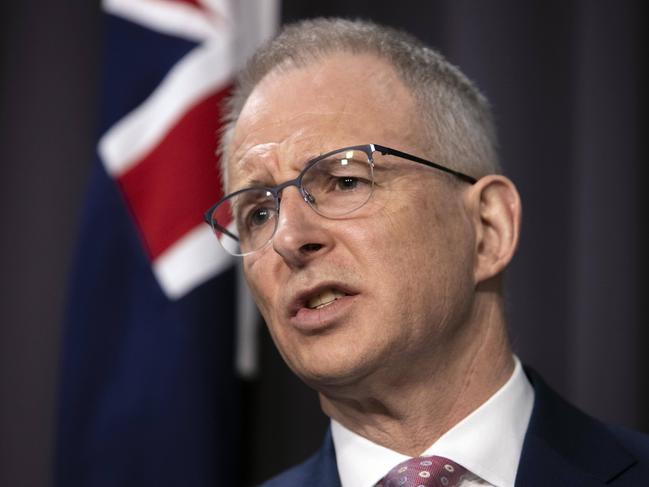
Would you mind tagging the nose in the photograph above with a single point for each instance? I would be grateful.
(300, 235)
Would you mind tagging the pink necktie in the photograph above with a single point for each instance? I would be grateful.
(424, 472)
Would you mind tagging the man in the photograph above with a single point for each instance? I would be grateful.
(365, 197)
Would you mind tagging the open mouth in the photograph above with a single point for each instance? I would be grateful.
(321, 307)
(325, 298)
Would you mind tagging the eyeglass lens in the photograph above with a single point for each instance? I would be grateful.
(333, 186)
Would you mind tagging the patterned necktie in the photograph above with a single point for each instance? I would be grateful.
(424, 472)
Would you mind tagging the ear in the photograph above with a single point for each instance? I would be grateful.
(497, 218)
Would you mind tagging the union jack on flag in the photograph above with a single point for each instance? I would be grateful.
(148, 390)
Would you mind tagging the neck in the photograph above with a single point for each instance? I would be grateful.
(408, 412)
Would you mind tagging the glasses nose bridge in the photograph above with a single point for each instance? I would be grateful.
(297, 182)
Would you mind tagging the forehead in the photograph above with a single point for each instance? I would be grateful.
(296, 113)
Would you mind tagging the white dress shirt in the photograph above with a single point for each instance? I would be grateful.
(488, 442)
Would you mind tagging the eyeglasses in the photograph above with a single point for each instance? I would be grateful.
(334, 185)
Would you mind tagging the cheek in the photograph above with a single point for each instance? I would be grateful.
(391, 249)
(405, 230)
(421, 250)
(259, 280)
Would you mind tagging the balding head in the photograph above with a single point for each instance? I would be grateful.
(454, 118)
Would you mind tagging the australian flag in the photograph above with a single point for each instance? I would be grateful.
(149, 395)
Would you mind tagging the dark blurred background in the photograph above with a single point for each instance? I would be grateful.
(568, 83)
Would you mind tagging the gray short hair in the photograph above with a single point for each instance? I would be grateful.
(456, 118)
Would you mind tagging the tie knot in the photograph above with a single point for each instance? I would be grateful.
(424, 472)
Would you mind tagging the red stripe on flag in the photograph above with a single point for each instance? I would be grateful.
(171, 187)
(195, 3)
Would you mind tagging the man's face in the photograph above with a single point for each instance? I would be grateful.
(401, 267)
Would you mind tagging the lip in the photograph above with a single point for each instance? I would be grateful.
(312, 320)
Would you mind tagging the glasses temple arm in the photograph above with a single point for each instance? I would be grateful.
(386, 150)
(219, 228)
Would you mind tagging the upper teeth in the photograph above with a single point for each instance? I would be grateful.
(324, 298)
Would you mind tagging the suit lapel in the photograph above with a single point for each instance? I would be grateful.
(565, 447)
(324, 470)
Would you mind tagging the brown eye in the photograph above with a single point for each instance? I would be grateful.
(347, 183)
(259, 216)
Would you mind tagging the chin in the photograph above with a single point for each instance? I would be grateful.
(340, 357)
(334, 371)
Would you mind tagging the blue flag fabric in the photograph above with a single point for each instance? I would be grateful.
(148, 393)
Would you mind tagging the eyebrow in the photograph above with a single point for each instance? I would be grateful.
(256, 182)
(253, 176)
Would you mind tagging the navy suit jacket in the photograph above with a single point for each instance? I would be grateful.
(562, 447)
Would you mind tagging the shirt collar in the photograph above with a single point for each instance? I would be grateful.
(498, 425)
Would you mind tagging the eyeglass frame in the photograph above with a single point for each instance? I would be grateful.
(368, 149)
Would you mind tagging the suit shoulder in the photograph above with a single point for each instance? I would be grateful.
(635, 442)
(563, 443)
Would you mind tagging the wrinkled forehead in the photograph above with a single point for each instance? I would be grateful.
(293, 115)
(259, 162)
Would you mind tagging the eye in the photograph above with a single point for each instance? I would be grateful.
(342, 175)
(347, 183)
(259, 216)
